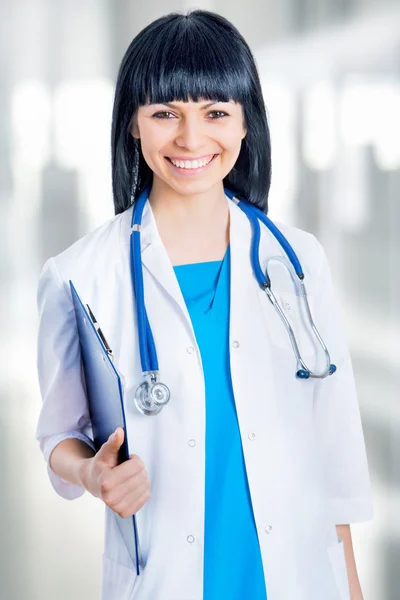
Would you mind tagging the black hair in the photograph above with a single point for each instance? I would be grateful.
(197, 55)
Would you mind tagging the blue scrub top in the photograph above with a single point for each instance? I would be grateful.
(232, 560)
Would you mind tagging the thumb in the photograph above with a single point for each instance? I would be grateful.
(109, 450)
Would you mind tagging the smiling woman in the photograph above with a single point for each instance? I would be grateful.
(251, 469)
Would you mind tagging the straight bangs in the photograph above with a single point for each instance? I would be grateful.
(185, 64)
(199, 56)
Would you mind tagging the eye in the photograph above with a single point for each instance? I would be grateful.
(164, 112)
(224, 114)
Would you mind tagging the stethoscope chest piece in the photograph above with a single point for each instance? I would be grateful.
(151, 395)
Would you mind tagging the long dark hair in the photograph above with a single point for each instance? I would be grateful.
(197, 55)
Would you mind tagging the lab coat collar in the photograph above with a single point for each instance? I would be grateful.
(157, 262)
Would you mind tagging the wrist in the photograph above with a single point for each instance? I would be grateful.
(82, 472)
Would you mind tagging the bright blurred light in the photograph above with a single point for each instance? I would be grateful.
(352, 209)
(358, 113)
(82, 126)
(281, 110)
(370, 114)
(30, 113)
(387, 134)
(319, 135)
(82, 112)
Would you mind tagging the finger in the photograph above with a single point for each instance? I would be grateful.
(125, 471)
(133, 502)
(108, 452)
(117, 488)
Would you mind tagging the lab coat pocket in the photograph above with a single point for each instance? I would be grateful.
(118, 581)
(338, 564)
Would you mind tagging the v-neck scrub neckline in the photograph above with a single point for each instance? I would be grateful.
(199, 284)
(232, 558)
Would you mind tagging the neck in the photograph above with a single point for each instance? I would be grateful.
(193, 211)
(192, 227)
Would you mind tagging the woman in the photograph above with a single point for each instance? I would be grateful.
(255, 475)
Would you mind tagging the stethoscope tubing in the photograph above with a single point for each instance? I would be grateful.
(148, 354)
(147, 349)
(254, 215)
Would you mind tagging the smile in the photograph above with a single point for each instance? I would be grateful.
(194, 166)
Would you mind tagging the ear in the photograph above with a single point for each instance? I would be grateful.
(133, 128)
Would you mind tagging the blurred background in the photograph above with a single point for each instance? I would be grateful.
(330, 71)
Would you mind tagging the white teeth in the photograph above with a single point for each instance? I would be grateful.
(195, 164)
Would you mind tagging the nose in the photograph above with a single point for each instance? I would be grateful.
(191, 133)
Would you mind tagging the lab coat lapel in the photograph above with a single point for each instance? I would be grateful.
(241, 271)
(156, 260)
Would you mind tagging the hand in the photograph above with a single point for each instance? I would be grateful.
(123, 487)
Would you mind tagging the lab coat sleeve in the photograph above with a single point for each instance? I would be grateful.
(64, 412)
(338, 425)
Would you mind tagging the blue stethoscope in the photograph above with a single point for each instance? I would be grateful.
(152, 395)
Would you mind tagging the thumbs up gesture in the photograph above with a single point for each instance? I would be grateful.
(123, 487)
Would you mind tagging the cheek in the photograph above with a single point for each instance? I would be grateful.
(231, 146)
(153, 137)
(152, 152)
(232, 138)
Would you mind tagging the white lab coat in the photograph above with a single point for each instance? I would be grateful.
(302, 440)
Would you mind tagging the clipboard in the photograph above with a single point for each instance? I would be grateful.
(104, 391)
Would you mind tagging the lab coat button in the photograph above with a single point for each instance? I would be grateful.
(190, 539)
(252, 436)
(287, 306)
(268, 528)
(192, 443)
(190, 350)
(236, 344)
